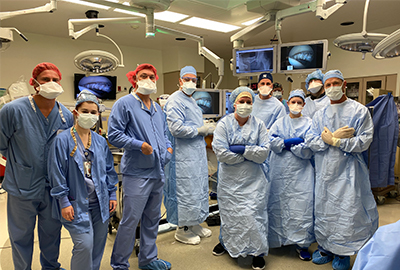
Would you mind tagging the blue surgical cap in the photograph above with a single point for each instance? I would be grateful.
(86, 95)
(188, 70)
(265, 76)
(237, 91)
(297, 93)
(333, 74)
(316, 75)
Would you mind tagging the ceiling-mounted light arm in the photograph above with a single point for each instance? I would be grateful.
(120, 6)
(322, 13)
(16, 30)
(264, 23)
(49, 7)
(364, 31)
(169, 31)
(120, 52)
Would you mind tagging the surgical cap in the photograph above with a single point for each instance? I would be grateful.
(86, 95)
(265, 76)
(188, 70)
(277, 85)
(297, 93)
(235, 94)
(316, 75)
(132, 74)
(42, 67)
(333, 74)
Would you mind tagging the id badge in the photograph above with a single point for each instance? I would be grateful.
(87, 165)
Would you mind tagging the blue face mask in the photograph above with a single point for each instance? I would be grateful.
(277, 94)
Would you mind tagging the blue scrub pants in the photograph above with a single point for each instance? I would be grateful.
(142, 201)
(89, 247)
(21, 216)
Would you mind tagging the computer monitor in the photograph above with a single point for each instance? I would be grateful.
(301, 57)
(251, 61)
(104, 87)
(228, 105)
(210, 102)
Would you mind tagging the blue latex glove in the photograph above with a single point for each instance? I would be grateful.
(292, 141)
(238, 149)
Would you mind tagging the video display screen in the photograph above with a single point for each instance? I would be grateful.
(256, 60)
(104, 87)
(301, 57)
(208, 101)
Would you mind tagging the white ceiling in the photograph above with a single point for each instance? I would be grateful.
(381, 14)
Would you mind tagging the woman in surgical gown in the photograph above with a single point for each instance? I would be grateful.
(241, 145)
(290, 204)
(83, 179)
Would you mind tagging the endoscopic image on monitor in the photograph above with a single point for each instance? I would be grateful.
(253, 61)
(302, 57)
(207, 101)
(103, 87)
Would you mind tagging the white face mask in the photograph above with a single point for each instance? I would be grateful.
(277, 94)
(265, 90)
(314, 87)
(162, 102)
(189, 87)
(87, 120)
(50, 90)
(146, 87)
(244, 109)
(334, 93)
(295, 108)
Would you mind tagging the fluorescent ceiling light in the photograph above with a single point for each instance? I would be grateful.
(251, 21)
(129, 12)
(210, 25)
(169, 16)
(84, 3)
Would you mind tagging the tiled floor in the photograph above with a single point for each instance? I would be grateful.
(184, 257)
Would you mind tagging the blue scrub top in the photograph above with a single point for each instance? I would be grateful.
(25, 139)
(268, 110)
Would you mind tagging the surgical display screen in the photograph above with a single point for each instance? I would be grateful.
(208, 101)
(104, 87)
(254, 60)
(229, 107)
(301, 57)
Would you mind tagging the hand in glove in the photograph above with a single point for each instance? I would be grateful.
(344, 132)
(292, 141)
(203, 130)
(327, 137)
(238, 149)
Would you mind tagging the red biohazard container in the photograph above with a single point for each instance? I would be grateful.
(2, 168)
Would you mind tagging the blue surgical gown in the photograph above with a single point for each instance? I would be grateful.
(345, 210)
(68, 179)
(381, 251)
(268, 110)
(291, 199)
(243, 186)
(25, 139)
(186, 186)
(312, 106)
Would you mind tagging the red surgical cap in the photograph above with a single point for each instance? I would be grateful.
(132, 74)
(42, 67)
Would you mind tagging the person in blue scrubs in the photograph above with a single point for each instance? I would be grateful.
(291, 199)
(277, 92)
(186, 188)
(137, 124)
(345, 210)
(317, 99)
(28, 126)
(83, 181)
(241, 145)
(266, 107)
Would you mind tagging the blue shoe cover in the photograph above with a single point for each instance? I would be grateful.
(341, 263)
(318, 258)
(157, 265)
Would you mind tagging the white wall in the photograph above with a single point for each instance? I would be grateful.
(175, 58)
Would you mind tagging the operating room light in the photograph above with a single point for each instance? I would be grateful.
(210, 25)
(96, 61)
(389, 47)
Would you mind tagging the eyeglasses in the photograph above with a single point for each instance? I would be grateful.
(188, 79)
(144, 76)
(277, 85)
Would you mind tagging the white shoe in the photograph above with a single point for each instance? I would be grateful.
(186, 236)
(200, 231)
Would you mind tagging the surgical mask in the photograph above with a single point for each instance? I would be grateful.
(162, 102)
(295, 108)
(314, 87)
(87, 120)
(265, 90)
(277, 94)
(334, 93)
(50, 90)
(189, 87)
(146, 87)
(244, 109)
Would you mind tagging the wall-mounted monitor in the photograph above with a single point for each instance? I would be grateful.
(228, 105)
(302, 57)
(210, 102)
(104, 87)
(251, 61)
